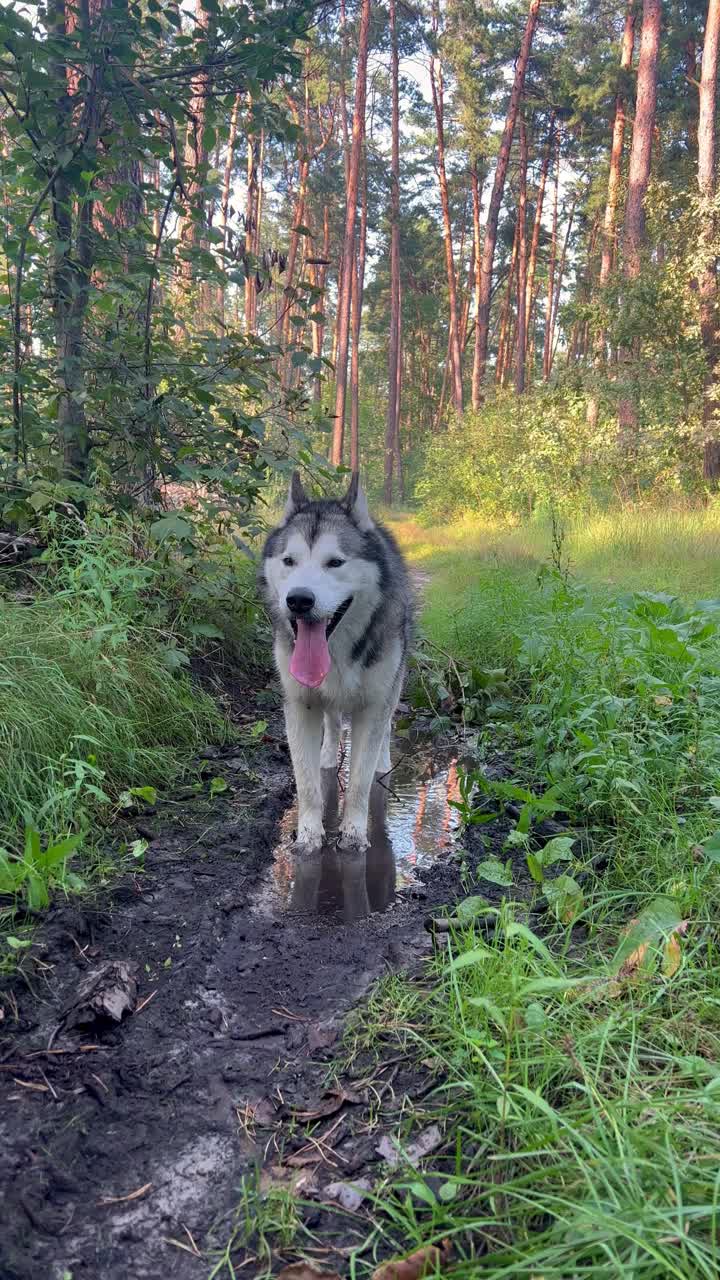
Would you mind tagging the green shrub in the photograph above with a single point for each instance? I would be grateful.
(519, 456)
(94, 683)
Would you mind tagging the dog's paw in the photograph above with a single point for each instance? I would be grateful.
(309, 839)
(353, 839)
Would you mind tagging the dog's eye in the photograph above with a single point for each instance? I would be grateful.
(334, 563)
(288, 562)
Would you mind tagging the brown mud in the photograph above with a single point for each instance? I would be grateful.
(126, 1147)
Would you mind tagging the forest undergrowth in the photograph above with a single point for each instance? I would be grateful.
(576, 1060)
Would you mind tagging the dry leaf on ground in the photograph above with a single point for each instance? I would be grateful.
(331, 1103)
(426, 1142)
(423, 1262)
(305, 1271)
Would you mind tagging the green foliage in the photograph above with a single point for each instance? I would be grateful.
(90, 710)
(516, 457)
(135, 375)
(32, 875)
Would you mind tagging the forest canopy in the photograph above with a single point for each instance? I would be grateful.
(468, 248)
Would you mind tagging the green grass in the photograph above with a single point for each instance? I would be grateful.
(95, 691)
(577, 1071)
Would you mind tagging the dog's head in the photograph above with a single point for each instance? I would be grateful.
(315, 568)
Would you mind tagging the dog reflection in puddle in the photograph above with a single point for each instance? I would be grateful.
(351, 884)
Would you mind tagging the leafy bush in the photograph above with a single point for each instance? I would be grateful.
(519, 456)
(95, 692)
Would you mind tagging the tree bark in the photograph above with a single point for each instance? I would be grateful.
(547, 342)
(438, 94)
(503, 351)
(394, 347)
(399, 470)
(707, 283)
(477, 244)
(521, 352)
(358, 131)
(356, 318)
(539, 202)
(639, 175)
(485, 293)
(72, 256)
(319, 278)
(613, 191)
(251, 218)
(225, 197)
(559, 276)
(195, 160)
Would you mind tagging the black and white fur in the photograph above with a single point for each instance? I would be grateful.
(354, 569)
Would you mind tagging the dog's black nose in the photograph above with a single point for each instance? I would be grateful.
(300, 602)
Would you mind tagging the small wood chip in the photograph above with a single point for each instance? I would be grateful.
(132, 1195)
(31, 1084)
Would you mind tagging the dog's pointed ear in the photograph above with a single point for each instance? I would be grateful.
(356, 504)
(297, 496)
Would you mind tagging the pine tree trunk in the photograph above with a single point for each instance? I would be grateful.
(358, 131)
(196, 161)
(394, 346)
(613, 192)
(356, 319)
(251, 217)
(521, 352)
(639, 177)
(225, 197)
(72, 247)
(399, 470)
(477, 246)
(539, 202)
(559, 277)
(485, 293)
(319, 280)
(707, 283)
(438, 92)
(547, 342)
(504, 329)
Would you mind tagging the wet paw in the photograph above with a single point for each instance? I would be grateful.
(309, 840)
(352, 840)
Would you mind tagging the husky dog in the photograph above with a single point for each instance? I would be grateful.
(340, 600)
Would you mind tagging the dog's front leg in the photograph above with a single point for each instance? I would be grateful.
(304, 733)
(367, 735)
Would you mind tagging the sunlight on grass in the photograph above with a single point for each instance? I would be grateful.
(673, 550)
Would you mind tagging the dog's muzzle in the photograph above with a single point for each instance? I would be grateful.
(306, 614)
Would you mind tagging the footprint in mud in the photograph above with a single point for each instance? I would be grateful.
(412, 822)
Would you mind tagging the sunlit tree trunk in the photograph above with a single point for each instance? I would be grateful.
(356, 321)
(548, 337)
(225, 197)
(708, 276)
(391, 426)
(521, 352)
(559, 277)
(358, 131)
(639, 175)
(196, 160)
(503, 350)
(319, 279)
(438, 97)
(477, 246)
(72, 242)
(539, 202)
(613, 190)
(491, 226)
(399, 469)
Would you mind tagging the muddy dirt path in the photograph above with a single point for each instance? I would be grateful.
(117, 1141)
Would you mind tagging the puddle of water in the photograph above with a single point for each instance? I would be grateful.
(411, 826)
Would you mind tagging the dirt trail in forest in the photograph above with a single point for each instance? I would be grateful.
(116, 1140)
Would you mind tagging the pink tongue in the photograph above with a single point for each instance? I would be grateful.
(310, 660)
